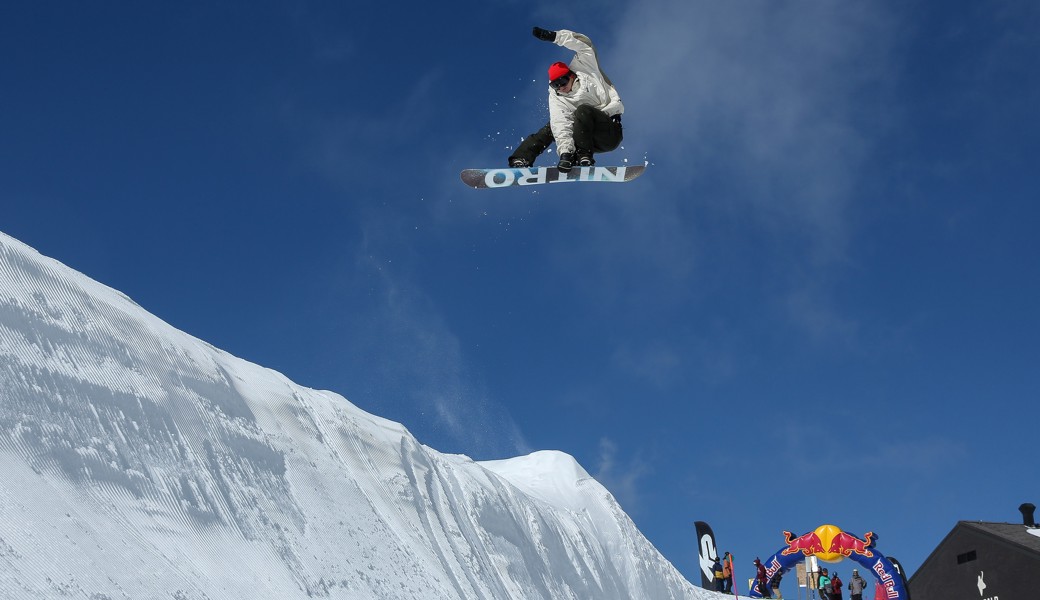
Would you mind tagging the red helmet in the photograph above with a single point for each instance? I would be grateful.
(558, 70)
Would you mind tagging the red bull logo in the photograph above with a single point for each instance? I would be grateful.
(828, 543)
(845, 544)
(808, 544)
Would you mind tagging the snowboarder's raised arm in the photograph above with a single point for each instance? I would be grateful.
(580, 43)
(585, 52)
(585, 59)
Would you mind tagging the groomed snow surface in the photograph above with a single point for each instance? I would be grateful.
(139, 462)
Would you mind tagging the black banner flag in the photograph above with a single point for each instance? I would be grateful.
(708, 554)
(902, 574)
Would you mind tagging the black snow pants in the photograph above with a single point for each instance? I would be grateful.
(594, 132)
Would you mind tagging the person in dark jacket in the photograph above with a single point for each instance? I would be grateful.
(761, 579)
(836, 587)
(716, 569)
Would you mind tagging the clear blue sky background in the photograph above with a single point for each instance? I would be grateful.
(819, 305)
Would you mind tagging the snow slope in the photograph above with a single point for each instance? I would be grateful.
(139, 462)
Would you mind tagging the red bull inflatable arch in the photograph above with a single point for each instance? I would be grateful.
(830, 544)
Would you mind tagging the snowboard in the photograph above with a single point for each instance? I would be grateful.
(496, 178)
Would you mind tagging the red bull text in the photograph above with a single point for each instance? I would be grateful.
(886, 579)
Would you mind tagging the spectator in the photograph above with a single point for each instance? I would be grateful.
(761, 580)
(835, 587)
(716, 569)
(856, 586)
(727, 573)
(825, 586)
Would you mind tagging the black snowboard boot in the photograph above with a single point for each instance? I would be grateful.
(566, 163)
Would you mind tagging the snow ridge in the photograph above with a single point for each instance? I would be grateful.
(141, 462)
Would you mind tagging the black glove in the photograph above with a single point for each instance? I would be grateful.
(616, 119)
(566, 162)
(544, 34)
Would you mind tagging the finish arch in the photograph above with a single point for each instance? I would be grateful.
(830, 544)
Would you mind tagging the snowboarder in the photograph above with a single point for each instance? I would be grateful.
(584, 108)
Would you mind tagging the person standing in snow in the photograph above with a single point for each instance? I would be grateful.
(761, 579)
(716, 569)
(836, 587)
(856, 586)
(824, 585)
(727, 573)
(584, 108)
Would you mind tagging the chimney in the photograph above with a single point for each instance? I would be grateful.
(1027, 514)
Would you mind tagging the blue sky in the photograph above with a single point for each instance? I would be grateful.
(817, 306)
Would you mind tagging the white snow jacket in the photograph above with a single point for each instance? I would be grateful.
(592, 87)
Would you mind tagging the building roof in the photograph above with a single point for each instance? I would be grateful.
(1016, 534)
